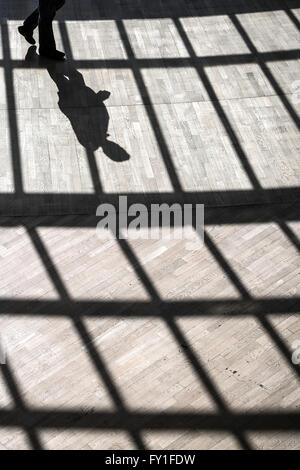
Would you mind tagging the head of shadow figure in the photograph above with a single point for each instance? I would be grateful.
(85, 108)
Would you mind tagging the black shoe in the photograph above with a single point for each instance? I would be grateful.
(26, 34)
(55, 55)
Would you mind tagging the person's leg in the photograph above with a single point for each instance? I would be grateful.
(59, 4)
(29, 25)
(47, 13)
(47, 9)
(32, 21)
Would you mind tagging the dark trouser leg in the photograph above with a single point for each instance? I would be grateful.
(59, 4)
(32, 21)
(47, 10)
(47, 13)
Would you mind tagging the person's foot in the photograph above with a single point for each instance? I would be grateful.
(26, 34)
(55, 55)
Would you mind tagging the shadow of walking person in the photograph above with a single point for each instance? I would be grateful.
(84, 108)
(86, 112)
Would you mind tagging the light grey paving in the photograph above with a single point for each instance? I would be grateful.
(193, 76)
(146, 363)
(146, 344)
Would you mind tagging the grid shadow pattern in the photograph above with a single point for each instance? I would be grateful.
(31, 420)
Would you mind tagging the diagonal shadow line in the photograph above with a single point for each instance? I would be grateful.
(292, 17)
(65, 40)
(11, 382)
(266, 324)
(225, 266)
(219, 110)
(12, 118)
(208, 383)
(181, 340)
(94, 172)
(82, 331)
(292, 237)
(165, 152)
(268, 74)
